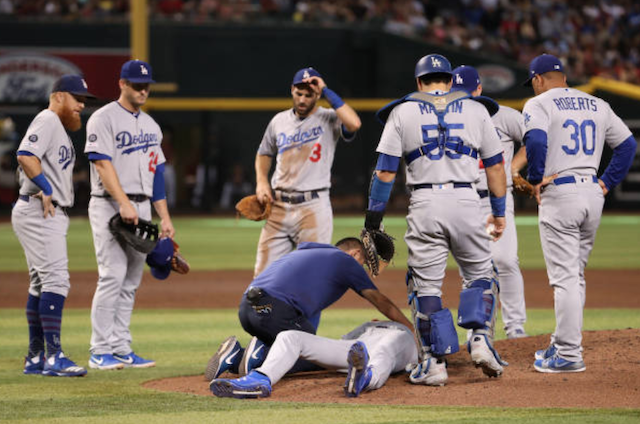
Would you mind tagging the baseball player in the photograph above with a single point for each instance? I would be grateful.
(127, 164)
(276, 300)
(370, 353)
(566, 131)
(441, 134)
(303, 142)
(509, 125)
(39, 218)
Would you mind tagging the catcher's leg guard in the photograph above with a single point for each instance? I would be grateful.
(478, 301)
(433, 324)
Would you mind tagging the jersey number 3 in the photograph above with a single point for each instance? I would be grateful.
(153, 162)
(583, 135)
(316, 153)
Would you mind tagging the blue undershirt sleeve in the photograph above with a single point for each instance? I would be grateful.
(98, 156)
(536, 142)
(159, 191)
(621, 161)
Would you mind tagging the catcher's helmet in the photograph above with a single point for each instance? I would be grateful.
(433, 64)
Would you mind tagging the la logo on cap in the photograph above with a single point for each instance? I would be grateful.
(84, 84)
(459, 79)
(306, 75)
(143, 70)
(436, 62)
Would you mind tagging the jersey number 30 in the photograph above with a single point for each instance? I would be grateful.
(583, 135)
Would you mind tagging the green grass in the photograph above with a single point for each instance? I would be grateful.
(182, 341)
(228, 243)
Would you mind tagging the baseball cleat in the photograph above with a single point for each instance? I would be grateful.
(518, 333)
(59, 365)
(485, 356)
(105, 362)
(359, 373)
(254, 356)
(430, 372)
(546, 353)
(131, 360)
(226, 358)
(34, 365)
(252, 385)
(556, 364)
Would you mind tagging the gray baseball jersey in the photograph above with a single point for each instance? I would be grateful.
(577, 127)
(132, 141)
(47, 139)
(509, 125)
(390, 345)
(303, 148)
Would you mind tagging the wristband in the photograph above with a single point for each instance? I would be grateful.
(334, 100)
(41, 181)
(379, 193)
(498, 205)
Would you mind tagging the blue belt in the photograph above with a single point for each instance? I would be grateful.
(138, 198)
(455, 185)
(483, 193)
(570, 179)
(55, 204)
(297, 198)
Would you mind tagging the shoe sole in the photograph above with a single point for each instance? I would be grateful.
(146, 365)
(490, 366)
(105, 367)
(227, 389)
(357, 362)
(65, 374)
(213, 366)
(434, 381)
(32, 372)
(558, 370)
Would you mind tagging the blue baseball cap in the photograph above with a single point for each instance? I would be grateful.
(73, 84)
(465, 78)
(305, 73)
(432, 64)
(136, 71)
(159, 260)
(541, 65)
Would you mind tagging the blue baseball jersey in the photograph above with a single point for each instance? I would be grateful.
(132, 141)
(313, 277)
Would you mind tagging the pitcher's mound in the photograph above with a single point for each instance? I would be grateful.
(612, 380)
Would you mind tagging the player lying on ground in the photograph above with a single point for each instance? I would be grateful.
(370, 354)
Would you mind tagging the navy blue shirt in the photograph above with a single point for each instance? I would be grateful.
(313, 277)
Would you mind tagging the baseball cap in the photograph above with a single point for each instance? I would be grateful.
(541, 65)
(159, 260)
(73, 84)
(136, 71)
(465, 78)
(432, 64)
(303, 74)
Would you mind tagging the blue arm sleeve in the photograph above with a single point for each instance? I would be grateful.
(379, 193)
(387, 163)
(334, 100)
(346, 134)
(98, 156)
(536, 142)
(159, 192)
(498, 205)
(41, 181)
(621, 161)
(492, 160)
(24, 153)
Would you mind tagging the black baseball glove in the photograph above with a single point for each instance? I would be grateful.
(377, 245)
(142, 237)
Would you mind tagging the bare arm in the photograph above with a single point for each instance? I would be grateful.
(349, 118)
(386, 176)
(519, 161)
(111, 183)
(166, 225)
(32, 167)
(386, 306)
(497, 181)
(263, 187)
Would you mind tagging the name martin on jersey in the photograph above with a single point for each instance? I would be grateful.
(131, 143)
(285, 142)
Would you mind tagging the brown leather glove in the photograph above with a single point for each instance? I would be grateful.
(178, 263)
(252, 209)
(522, 186)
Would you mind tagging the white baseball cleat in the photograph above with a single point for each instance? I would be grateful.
(430, 372)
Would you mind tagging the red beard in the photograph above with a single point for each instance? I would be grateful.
(70, 121)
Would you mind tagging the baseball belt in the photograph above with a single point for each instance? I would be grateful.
(455, 185)
(138, 198)
(570, 179)
(297, 198)
(26, 198)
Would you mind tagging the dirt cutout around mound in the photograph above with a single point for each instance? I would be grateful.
(612, 380)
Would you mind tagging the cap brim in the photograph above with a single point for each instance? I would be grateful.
(161, 273)
(527, 83)
(85, 94)
(141, 80)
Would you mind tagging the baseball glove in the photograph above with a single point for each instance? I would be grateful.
(252, 209)
(178, 263)
(142, 237)
(522, 186)
(377, 245)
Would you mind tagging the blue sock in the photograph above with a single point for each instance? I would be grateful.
(36, 336)
(51, 306)
(427, 305)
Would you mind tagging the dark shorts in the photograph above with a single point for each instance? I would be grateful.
(266, 316)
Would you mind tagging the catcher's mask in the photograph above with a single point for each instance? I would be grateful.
(159, 260)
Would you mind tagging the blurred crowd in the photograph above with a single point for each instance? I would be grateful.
(593, 37)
